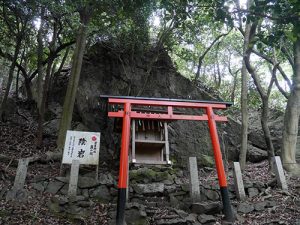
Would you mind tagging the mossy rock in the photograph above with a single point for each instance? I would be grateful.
(72, 213)
(185, 187)
(101, 194)
(161, 176)
(4, 213)
(133, 217)
(54, 207)
(206, 161)
(142, 174)
(176, 171)
(142, 221)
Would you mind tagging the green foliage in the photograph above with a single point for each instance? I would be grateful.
(186, 29)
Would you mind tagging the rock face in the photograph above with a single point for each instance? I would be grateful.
(257, 149)
(106, 73)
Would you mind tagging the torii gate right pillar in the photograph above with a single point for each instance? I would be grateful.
(227, 208)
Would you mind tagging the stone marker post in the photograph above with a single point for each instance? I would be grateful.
(73, 179)
(281, 181)
(194, 180)
(238, 181)
(19, 179)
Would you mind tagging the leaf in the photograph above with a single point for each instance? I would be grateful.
(259, 45)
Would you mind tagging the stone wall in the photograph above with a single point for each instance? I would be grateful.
(157, 195)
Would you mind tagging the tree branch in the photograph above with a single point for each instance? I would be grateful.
(254, 75)
(206, 51)
(290, 17)
(249, 67)
(54, 55)
(273, 71)
(288, 56)
(265, 57)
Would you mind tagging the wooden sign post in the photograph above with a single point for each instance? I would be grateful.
(73, 178)
(80, 148)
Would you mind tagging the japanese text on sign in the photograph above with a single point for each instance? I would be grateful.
(82, 146)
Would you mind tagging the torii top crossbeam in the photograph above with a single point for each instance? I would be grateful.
(128, 112)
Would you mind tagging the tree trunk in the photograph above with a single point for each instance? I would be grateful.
(265, 127)
(43, 104)
(17, 85)
(10, 76)
(265, 107)
(53, 73)
(27, 83)
(69, 101)
(1, 84)
(291, 118)
(42, 108)
(40, 60)
(264, 95)
(219, 78)
(232, 95)
(18, 75)
(244, 103)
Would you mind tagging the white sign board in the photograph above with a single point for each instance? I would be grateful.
(82, 146)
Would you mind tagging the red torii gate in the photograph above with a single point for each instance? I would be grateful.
(127, 114)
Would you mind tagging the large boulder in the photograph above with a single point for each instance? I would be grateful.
(104, 73)
(255, 154)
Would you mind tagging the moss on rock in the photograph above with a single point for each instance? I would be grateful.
(206, 161)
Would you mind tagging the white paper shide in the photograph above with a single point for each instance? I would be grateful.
(82, 146)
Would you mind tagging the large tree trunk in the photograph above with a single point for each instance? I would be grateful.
(291, 118)
(10, 76)
(69, 101)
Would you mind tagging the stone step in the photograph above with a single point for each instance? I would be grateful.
(151, 212)
(166, 217)
(150, 204)
(176, 221)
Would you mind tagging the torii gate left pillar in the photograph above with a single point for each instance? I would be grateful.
(123, 173)
(127, 114)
